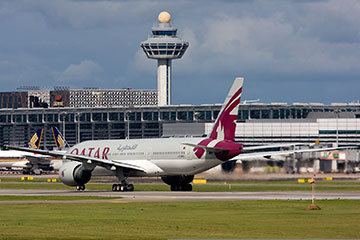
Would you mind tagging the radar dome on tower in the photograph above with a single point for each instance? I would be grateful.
(164, 17)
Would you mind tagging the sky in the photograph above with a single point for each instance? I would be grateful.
(287, 50)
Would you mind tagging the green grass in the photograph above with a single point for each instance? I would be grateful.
(18, 179)
(235, 219)
(196, 187)
(49, 198)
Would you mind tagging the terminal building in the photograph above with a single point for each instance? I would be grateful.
(257, 123)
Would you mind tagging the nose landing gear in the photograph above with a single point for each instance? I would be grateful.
(80, 187)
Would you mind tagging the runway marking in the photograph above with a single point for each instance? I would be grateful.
(120, 201)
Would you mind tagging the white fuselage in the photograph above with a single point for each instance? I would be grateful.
(13, 159)
(160, 157)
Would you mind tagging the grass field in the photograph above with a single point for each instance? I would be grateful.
(51, 198)
(240, 219)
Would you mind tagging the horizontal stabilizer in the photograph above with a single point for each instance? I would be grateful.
(209, 149)
(252, 148)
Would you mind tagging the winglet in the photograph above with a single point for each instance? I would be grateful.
(59, 139)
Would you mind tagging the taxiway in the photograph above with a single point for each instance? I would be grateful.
(167, 196)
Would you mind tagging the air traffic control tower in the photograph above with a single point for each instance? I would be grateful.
(164, 45)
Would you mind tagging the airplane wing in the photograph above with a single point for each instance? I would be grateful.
(84, 159)
(251, 148)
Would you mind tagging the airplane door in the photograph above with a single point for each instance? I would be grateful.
(148, 153)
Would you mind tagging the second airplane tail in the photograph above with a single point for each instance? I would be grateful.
(59, 139)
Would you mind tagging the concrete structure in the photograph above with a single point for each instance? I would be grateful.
(164, 45)
(112, 98)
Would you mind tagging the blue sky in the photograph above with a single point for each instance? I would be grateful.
(288, 51)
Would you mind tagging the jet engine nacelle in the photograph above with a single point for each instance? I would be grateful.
(74, 174)
(178, 180)
(228, 167)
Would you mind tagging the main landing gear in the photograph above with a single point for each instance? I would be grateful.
(123, 187)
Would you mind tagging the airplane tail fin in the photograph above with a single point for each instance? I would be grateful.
(35, 140)
(225, 124)
(221, 139)
(59, 139)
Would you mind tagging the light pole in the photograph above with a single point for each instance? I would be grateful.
(337, 112)
(127, 114)
(78, 116)
(63, 122)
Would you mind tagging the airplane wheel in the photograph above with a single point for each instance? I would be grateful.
(176, 187)
(80, 188)
(118, 187)
(114, 187)
(130, 187)
(187, 187)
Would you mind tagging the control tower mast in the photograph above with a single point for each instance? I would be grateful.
(164, 45)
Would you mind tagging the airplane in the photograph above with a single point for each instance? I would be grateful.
(62, 146)
(175, 160)
(28, 162)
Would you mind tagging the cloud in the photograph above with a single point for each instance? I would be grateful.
(266, 41)
(86, 14)
(270, 43)
(84, 72)
(334, 21)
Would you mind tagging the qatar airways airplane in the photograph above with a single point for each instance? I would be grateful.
(175, 160)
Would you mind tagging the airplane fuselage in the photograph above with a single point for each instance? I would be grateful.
(163, 157)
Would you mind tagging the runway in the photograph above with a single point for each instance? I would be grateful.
(167, 196)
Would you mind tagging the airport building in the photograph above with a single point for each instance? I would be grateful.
(256, 124)
(64, 97)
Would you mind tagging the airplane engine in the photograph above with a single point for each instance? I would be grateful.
(74, 174)
(228, 167)
(179, 183)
